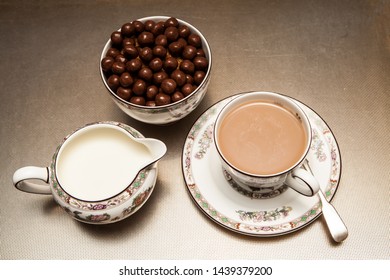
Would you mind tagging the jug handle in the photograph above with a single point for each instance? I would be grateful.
(23, 175)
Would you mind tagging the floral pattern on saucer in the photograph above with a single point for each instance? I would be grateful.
(282, 214)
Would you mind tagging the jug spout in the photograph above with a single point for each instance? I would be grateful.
(156, 147)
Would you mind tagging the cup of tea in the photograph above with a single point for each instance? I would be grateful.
(262, 138)
(100, 173)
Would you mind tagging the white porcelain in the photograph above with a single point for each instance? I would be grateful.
(296, 178)
(100, 173)
(223, 200)
(168, 113)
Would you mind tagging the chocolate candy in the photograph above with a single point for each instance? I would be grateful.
(168, 86)
(127, 29)
(139, 87)
(187, 66)
(154, 63)
(175, 48)
(124, 93)
(134, 65)
(172, 33)
(199, 77)
(118, 67)
(179, 77)
(139, 100)
(171, 22)
(159, 77)
(160, 51)
(113, 82)
(145, 39)
(170, 64)
(126, 80)
(107, 63)
(194, 40)
(189, 52)
(177, 96)
(145, 74)
(162, 99)
(116, 37)
(200, 63)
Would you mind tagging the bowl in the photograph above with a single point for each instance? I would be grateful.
(163, 114)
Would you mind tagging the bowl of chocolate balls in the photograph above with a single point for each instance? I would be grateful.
(156, 69)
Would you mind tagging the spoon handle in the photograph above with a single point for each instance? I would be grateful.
(336, 226)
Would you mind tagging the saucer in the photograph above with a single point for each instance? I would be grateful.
(287, 212)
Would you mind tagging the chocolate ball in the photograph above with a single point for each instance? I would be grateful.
(116, 38)
(134, 65)
(158, 28)
(168, 86)
(139, 87)
(175, 48)
(170, 64)
(200, 52)
(161, 40)
(113, 82)
(130, 51)
(125, 79)
(159, 77)
(124, 93)
(171, 22)
(121, 58)
(156, 64)
(187, 89)
(172, 33)
(151, 103)
(146, 74)
(176, 96)
(199, 77)
(200, 63)
(184, 31)
(189, 79)
(179, 77)
(162, 99)
(113, 52)
(145, 39)
(151, 92)
(146, 54)
(187, 66)
(127, 29)
(194, 40)
(139, 100)
(138, 26)
(149, 25)
(160, 51)
(128, 41)
(189, 52)
(182, 41)
(107, 63)
(118, 67)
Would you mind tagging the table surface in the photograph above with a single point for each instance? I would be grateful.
(333, 56)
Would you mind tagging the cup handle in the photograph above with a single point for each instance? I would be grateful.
(22, 175)
(303, 182)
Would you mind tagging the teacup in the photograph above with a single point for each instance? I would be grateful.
(100, 173)
(262, 138)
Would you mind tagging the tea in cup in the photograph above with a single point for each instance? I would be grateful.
(100, 173)
(262, 139)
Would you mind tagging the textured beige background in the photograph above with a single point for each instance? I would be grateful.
(332, 55)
